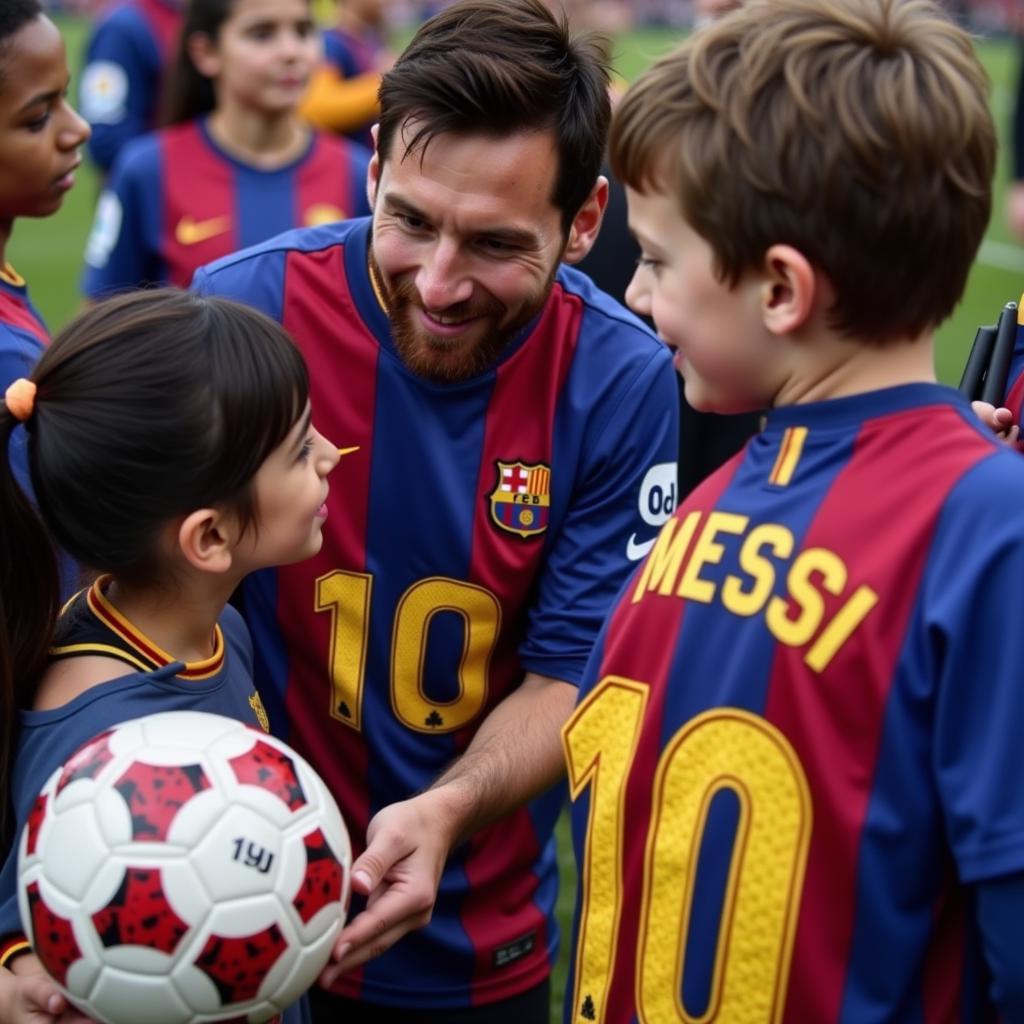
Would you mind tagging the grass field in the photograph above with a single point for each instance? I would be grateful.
(49, 254)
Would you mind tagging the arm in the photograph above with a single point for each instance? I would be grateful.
(29, 996)
(515, 754)
(341, 104)
(1000, 911)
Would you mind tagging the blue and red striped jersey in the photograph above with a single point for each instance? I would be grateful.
(352, 54)
(121, 85)
(23, 336)
(477, 530)
(176, 201)
(795, 744)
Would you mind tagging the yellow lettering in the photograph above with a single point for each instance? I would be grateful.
(838, 631)
(662, 565)
(806, 596)
(757, 566)
(707, 551)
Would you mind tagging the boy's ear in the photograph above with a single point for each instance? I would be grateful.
(206, 538)
(789, 290)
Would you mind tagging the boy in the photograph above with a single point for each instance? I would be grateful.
(795, 761)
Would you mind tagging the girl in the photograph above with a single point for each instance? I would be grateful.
(171, 448)
(40, 136)
(237, 165)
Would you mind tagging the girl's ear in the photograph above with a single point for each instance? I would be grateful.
(202, 51)
(207, 538)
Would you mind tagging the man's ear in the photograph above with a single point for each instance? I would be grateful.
(790, 290)
(373, 170)
(207, 538)
(587, 223)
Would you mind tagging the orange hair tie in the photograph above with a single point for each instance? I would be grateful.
(20, 398)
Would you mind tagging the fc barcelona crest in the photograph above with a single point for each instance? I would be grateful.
(521, 499)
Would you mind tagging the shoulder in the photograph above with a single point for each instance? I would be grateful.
(67, 679)
(603, 313)
(236, 273)
(339, 148)
(122, 23)
(140, 155)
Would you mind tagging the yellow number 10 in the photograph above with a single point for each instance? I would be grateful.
(346, 596)
(722, 748)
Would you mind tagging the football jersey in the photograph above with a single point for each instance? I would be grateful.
(476, 531)
(797, 738)
(176, 201)
(90, 625)
(120, 88)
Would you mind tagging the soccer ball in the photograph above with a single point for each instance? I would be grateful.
(183, 868)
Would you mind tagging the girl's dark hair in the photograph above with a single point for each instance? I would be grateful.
(187, 93)
(148, 406)
(14, 16)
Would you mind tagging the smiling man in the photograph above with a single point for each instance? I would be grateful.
(512, 436)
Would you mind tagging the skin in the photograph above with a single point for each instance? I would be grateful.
(765, 341)
(40, 134)
(470, 235)
(466, 242)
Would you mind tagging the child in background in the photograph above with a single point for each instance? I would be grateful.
(237, 164)
(342, 95)
(806, 707)
(171, 445)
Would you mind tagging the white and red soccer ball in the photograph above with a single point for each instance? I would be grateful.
(183, 868)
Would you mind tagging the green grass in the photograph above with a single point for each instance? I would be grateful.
(49, 254)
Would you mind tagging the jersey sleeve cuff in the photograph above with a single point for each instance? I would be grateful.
(13, 946)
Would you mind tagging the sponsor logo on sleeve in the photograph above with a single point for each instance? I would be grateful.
(103, 93)
(656, 504)
(106, 228)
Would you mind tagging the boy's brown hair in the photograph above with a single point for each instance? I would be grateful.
(857, 131)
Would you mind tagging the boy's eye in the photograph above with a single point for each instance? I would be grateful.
(647, 263)
(39, 123)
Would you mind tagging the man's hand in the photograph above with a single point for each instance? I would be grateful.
(29, 996)
(399, 872)
(999, 421)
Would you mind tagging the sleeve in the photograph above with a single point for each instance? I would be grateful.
(340, 104)
(1000, 911)
(119, 87)
(975, 656)
(256, 280)
(623, 493)
(122, 251)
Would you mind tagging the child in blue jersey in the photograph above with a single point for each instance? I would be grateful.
(40, 136)
(172, 449)
(795, 762)
(126, 61)
(235, 163)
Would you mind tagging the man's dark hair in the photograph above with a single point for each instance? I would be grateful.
(497, 67)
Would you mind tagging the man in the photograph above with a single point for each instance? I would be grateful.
(509, 436)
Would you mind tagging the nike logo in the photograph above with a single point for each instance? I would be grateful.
(348, 451)
(635, 551)
(192, 232)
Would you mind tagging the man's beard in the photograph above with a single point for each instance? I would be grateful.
(454, 359)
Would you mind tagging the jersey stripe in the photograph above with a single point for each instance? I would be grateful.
(842, 725)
